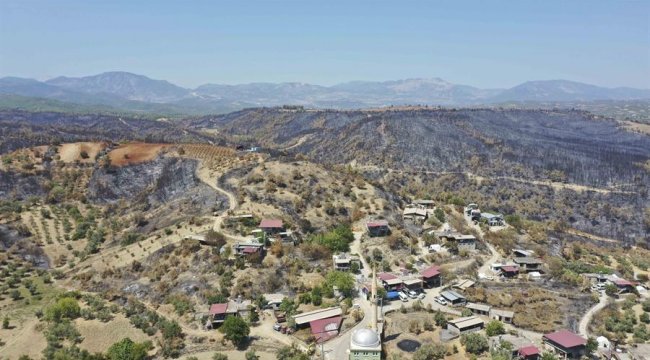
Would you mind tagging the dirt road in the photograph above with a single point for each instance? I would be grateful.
(583, 327)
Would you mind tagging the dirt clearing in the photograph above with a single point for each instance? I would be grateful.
(84, 152)
(135, 153)
(99, 336)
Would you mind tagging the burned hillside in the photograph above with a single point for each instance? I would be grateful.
(565, 145)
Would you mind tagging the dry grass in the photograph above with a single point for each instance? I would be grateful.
(99, 336)
(72, 152)
(24, 339)
(135, 153)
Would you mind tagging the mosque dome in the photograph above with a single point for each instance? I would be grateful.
(365, 338)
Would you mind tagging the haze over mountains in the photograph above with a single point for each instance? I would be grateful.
(127, 91)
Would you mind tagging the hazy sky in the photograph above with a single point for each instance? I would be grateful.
(481, 43)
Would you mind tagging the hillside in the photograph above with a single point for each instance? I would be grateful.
(533, 144)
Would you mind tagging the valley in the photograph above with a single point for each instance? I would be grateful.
(114, 227)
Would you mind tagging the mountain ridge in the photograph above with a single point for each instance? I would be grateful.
(130, 91)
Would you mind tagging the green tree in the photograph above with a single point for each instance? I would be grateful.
(5, 322)
(251, 355)
(474, 343)
(235, 329)
(126, 349)
(440, 318)
(253, 316)
(430, 351)
(611, 289)
(592, 346)
(343, 281)
(494, 327)
(64, 308)
(291, 353)
(219, 356)
(548, 356)
(439, 214)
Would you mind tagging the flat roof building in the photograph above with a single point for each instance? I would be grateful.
(465, 325)
(453, 297)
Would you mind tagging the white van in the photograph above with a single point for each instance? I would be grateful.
(403, 297)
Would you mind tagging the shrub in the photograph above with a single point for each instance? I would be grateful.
(64, 308)
(494, 328)
(474, 343)
(126, 349)
(235, 329)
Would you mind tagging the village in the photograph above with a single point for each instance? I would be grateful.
(380, 314)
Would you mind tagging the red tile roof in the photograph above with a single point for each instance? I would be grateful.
(431, 271)
(509, 268)
(386, 276)
(325, 329)
(529, 350)
(377, 223)
(623, 282)
(250, 249)
(271, 224)
(566, 339)
(217, 309)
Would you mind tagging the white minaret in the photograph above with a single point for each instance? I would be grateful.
(373, 298)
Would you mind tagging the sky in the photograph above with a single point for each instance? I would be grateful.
(488, 44)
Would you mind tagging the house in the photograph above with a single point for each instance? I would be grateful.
(415, 215)
(378, 228)
(509, 271)
(303, 319)
(271, 226)
(479, 309)
(249, 249)
(505, 316)
(523, 253)
(273, 301)
(521, 347)
(529, 264)
(325, 329)
(493, 219)
(344, 262)
(462, 241)
(454, 298)
(464, 284)
(413, 282)
(465, 325)
(473, 212)
(389, 281)
(623, 285)
(424, 204)
(530, 352)
(565, 344)
(218, 312)
(432, 276)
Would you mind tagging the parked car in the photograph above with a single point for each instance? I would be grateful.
(403, 297)
(422, 296)
(440, 300)
(277, 327)
(412, 294)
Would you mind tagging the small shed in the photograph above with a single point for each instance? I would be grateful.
(465, 325)
(453, 297)
(378, 228)
(479, 309)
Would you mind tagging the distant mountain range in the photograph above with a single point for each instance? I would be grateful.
(124, 91)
